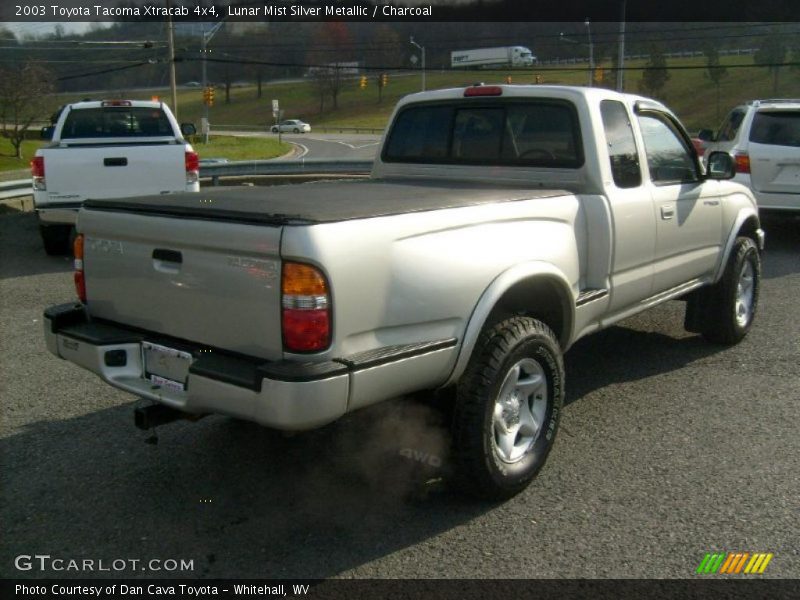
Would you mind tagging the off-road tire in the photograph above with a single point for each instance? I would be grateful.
(713, 312)
(478, 468)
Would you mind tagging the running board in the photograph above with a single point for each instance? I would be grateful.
(590, 295)
(675, 292)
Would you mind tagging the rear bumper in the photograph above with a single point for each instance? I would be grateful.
(284, 395)
(56, 215)
(777, 202)
(286, 399)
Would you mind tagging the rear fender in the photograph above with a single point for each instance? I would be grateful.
(521, 273)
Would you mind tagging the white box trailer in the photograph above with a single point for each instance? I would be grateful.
(485, 58)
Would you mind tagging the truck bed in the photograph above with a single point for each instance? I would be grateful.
(300, 204)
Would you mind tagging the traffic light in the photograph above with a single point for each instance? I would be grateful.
(363, 82)
(598, 75)
(384, 79)
(508, 79)
(208, 96)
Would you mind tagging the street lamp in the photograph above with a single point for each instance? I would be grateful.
(591, 52)
(422, 50)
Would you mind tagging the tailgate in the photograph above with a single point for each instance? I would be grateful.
(76, 173)
(208, 282)
(775, 151)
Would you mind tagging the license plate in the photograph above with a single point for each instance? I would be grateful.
(166, 366)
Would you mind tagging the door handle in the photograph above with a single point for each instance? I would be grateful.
(120, 161)
(667, 212)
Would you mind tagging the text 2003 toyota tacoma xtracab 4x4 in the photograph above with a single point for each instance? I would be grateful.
(500, 225)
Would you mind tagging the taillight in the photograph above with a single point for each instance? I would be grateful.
(742, 162)
(80, 280)
(305, 300)
(192, 161)
(483, 90)
(37, 173)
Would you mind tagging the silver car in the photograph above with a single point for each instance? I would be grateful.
(292, 126)
(764, 138)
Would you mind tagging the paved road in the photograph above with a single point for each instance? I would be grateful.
(344, 146)
(669, 448)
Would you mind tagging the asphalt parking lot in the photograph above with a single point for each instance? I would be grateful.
(669, 448)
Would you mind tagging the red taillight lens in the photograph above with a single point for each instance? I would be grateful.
(80, 280)
(37, 166)
(742, 162)
(306, 317)
(192, 162)
(483, 90)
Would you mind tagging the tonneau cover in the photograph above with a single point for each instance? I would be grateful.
(322, 201)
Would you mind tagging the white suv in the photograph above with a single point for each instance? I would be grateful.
(764, 138)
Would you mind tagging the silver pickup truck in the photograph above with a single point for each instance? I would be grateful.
(500, 225)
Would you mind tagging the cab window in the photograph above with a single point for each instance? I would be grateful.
(668, 157)
(621, 144)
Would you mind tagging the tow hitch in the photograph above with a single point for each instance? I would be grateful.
(153, 415)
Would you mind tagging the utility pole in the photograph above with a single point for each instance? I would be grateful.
(591, 52)
(207, 35)
(172, 82)
(422, 50)
(621, 52)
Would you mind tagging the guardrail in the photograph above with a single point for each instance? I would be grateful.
(15, 189)
(244, 168)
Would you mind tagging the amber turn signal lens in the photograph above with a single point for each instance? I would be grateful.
(303, 280)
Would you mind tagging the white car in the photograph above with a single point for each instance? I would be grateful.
(764, 138)
(291, 126)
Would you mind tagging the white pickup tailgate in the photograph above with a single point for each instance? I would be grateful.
(78, 172)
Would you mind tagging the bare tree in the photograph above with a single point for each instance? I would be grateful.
(714, 71)
(24, 95)
(771, 53)
(656, 74)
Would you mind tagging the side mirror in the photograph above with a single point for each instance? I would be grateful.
(707, 135)
(721, 166)
(188, 129)
(47, 133)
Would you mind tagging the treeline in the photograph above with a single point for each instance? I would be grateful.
(133, 55)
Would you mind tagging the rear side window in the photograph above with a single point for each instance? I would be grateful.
(529, 133)
(776, 128)
(116, 121)
(730, 126)
(621, 145)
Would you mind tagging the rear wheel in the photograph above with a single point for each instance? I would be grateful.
(274, 130)
(57, 239)
(724, 312)
(296, 130)
(507, 408)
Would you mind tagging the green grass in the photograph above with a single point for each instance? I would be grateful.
(8, 162)
(240, 148)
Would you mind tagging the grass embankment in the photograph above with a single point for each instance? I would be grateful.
(10, 163)
(688, 92)
(240, 148)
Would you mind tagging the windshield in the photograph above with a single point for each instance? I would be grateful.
(116, 121)
(540, 133)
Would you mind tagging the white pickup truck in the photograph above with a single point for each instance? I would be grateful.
(500, 225)
(108, 149)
